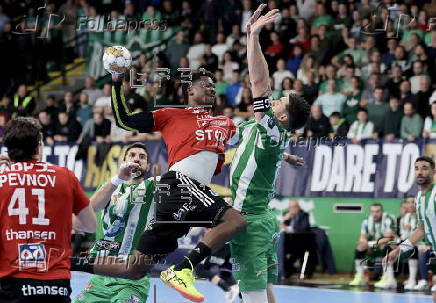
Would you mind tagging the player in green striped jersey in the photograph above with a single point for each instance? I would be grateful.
(126, 210)
(254, 169)
(378, 225)
(407, 224)
(426, 211)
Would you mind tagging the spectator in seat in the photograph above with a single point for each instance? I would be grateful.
(90, 89)
(331, 101)
(418, 71)
(68, 105)
(281, 73)
(293, 63)
(295, 220)
(430, 123)
(351, 105)
(3, 121)
(48, 127)
(229, 112)
(377, 111)
(84, 112)
(97, 129)
(392, 120)
(67, 129)
(233, 89)
(6, 106)
(245, 100)
(177, 49)
(361, 128)
(393, 85)
(220, 46)
(51, 108)
(411, 124)
(276, 47)
(23, 103)
(339, 126)
(318, 125)
(196, 51)
(405, 94)
(220, 84)
(423, 96)
(209, 60)
(105, 100)
(228, 66)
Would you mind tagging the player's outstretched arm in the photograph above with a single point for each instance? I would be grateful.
(257, 65)
(102, 196)
(140, 122)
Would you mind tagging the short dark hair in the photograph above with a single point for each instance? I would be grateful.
(135, 145)
(361, 109)
(426, 159)
(336, 114)
(22, 137)
(377, 204)
(299, 111)
(195, 77)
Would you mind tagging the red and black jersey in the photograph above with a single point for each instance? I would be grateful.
(37, 200)
(185, 131)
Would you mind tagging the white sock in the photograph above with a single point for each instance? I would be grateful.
(413, 269)
(360, 269)
(390, 273)
(254, 296)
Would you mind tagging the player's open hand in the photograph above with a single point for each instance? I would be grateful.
(294, 160)
(257, 22)
(117, 77)
(391, 257)
(128, 170)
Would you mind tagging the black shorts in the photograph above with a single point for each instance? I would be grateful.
(180, 203)
(15, 290)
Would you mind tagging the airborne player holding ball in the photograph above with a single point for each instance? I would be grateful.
(195, 141)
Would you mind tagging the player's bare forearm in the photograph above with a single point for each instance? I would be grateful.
(418, 234)
(257, 68)
(102, 196)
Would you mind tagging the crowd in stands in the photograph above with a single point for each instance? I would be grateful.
(361, 85)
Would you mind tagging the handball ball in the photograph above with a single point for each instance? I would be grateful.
(116, 59)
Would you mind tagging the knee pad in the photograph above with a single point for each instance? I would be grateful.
(359, 254)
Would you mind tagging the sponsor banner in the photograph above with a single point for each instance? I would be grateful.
(372, 169)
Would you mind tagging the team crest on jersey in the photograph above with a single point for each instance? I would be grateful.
(271, 122)
(116, 228)
(32, 256)
(132, 299)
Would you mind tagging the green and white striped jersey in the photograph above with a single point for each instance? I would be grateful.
(375, 230)
(410, 220)
(425, 207)
(124, 219)
(256, 163)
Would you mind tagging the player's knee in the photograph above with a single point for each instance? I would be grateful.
(240, 224)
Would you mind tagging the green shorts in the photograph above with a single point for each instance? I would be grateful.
(254, 252)
(112, 290)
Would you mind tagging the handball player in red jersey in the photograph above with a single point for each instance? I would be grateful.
(37, 200)
(195, 142)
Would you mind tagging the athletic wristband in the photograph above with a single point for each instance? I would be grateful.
(261, 104)
(85, 264)
(116, 181)
(406, 245)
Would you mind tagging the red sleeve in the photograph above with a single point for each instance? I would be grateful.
(161, 118)
(80, 199)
